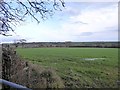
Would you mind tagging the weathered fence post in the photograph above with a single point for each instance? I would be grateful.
(6, 64)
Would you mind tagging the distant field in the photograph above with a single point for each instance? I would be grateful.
(78, 67)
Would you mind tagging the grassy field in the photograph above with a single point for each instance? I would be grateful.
(78, 67)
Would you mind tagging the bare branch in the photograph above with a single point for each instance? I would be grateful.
(10, 14)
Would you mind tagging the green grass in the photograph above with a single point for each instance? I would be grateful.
(70, 65)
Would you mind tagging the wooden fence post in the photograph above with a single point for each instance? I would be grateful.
(6, 65)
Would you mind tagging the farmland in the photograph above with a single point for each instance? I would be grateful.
(78, 67)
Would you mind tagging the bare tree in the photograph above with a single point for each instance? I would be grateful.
(22, 41)
(13, 12)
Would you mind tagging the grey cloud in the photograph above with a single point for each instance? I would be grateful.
(79, 22)
(97, 36)
(112, 28)
(7, 39)
(86, 34)
(10, 39)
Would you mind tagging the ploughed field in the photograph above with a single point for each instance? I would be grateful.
(78, 67)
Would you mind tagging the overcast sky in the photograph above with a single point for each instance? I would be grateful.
(78, 22)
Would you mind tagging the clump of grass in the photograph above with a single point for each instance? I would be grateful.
(44, 77)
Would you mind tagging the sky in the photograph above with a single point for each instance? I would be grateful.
(77, 22)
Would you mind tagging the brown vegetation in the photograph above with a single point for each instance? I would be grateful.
(26, 73)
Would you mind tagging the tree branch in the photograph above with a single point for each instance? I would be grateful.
(10, 14)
